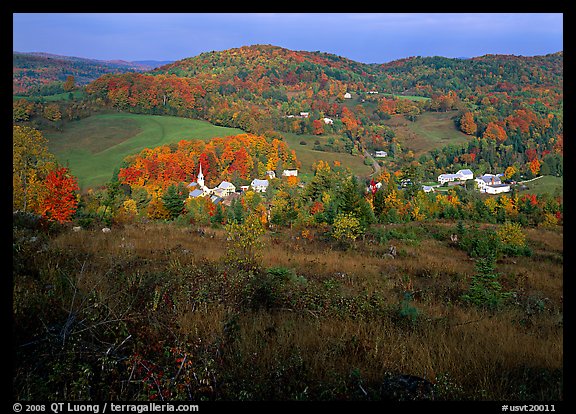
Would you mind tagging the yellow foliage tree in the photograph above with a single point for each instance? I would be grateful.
(346, 228)
(511, 234)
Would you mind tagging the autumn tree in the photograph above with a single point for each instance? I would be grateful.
(318, 126)
(60, 201)
(31, 162)
(467, 124)
(22, 110)
(69, 84)
(346, 228)
(52, 112)
(495, 132)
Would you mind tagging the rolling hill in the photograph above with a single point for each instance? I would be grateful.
(36, 69)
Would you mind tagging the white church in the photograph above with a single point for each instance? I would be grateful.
(199, 188)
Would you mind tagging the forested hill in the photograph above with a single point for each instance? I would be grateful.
(489, 73)
(273, 64)
(36, 70)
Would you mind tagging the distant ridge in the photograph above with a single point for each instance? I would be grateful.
(37, 69)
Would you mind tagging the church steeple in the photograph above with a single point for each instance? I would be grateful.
(200, 178)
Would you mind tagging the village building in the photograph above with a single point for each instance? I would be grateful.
(491, 184)
(461, 175)
(445, 178)
(328, 121)
(347, 95)
(290, 173)
(465, 175)
(381, 154)
(270, 174)
(225, 188)
(260, 186)
(199, 189)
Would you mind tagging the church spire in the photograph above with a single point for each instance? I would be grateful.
(200, 178)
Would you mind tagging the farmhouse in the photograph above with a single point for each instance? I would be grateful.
(260, 186)
(226, 188)
(465, 174)
(290, 173)
(491, 184)
(461, 175)
(445, 178)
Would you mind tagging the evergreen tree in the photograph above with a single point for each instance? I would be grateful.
(173, 200)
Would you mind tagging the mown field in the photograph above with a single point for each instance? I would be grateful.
(93, 147)
(430, 130)
(545, 184)
(307, 155)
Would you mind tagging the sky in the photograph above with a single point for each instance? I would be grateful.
(363, 37)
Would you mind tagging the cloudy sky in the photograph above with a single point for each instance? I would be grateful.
(364, 37)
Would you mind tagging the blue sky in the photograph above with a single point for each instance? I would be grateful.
(364, 37)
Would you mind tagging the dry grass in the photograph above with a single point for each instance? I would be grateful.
(510, 354)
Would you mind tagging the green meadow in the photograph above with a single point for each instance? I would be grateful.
(95, 146)
(545, 184)
(307, 155)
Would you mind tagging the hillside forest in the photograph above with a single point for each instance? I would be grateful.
(326, 284)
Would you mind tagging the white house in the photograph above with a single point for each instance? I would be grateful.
(486, 180)
(444, 178)
(304, 114)
(491, 184)
(290, 173)
(427, 188)
(259, 186)
(270, 174)
(461, 175)
(381, 154)
(225, 188)
(497, 188)
(328, 121)
(347, 95)
(465, 174)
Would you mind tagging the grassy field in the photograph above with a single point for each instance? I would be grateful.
(430, 130)
(65, 96)
(546, 184)
(93, 147)
(308, 156)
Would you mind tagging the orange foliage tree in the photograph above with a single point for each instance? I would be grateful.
(60, 202)
(495, 132)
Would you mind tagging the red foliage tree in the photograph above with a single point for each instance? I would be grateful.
(61, 201)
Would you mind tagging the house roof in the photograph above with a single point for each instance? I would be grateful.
(226, 184)
(258, 183)
(196, 193)
(449, 175)
(487, 178)
(194, 184)
(216, 199)
(467, 172)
